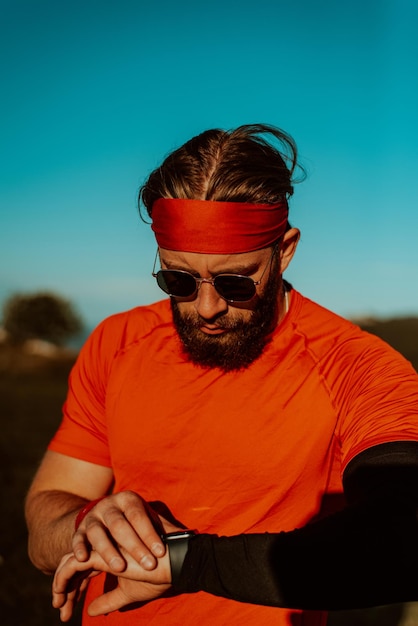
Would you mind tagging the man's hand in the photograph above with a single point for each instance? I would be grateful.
(134, 584)
(122, 523)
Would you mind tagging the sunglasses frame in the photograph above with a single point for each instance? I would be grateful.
(212, 281)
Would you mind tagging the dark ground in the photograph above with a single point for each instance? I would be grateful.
(32, 390)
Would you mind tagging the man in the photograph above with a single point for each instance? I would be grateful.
(282, 433)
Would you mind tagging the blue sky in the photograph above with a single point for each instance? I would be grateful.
(96, 93)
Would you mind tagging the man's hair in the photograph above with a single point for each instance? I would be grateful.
(253, 163)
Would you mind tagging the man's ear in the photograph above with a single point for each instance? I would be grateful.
(288, 247)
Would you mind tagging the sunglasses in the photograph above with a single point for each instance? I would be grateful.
(231, 287)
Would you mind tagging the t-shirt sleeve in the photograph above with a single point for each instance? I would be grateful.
(376, 392)
(83, 432)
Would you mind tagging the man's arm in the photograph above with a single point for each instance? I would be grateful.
(363, 556)
(366, 555)
(61, 488)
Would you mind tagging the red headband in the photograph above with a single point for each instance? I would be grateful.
(211, 227)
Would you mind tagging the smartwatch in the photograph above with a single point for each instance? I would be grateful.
(177, 544)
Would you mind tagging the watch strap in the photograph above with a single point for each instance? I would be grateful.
(178, 545)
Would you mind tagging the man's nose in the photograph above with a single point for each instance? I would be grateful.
(209, 304)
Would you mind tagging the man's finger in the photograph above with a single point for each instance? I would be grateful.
(108, 602)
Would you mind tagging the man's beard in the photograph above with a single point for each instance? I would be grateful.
(243, 342)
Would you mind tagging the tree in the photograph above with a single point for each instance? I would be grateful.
(42, 315)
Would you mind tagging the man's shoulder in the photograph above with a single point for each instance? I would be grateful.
(327, 332)
(140, 316)
(120, 330)
(315, 317)
(324, 330)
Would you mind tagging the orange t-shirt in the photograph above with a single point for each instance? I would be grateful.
(252, 451)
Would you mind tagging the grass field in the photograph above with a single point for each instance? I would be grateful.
(32, 390)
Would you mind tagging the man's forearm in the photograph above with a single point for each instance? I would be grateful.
(50, 517)
(365, 555)
(355, 559)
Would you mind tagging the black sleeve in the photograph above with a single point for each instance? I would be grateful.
(363, 556)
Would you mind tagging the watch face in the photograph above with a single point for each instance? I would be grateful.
(181, 534)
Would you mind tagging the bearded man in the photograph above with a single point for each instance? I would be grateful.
(282, 434)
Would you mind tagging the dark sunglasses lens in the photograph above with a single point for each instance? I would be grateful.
(235, 288)
(176, 283)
